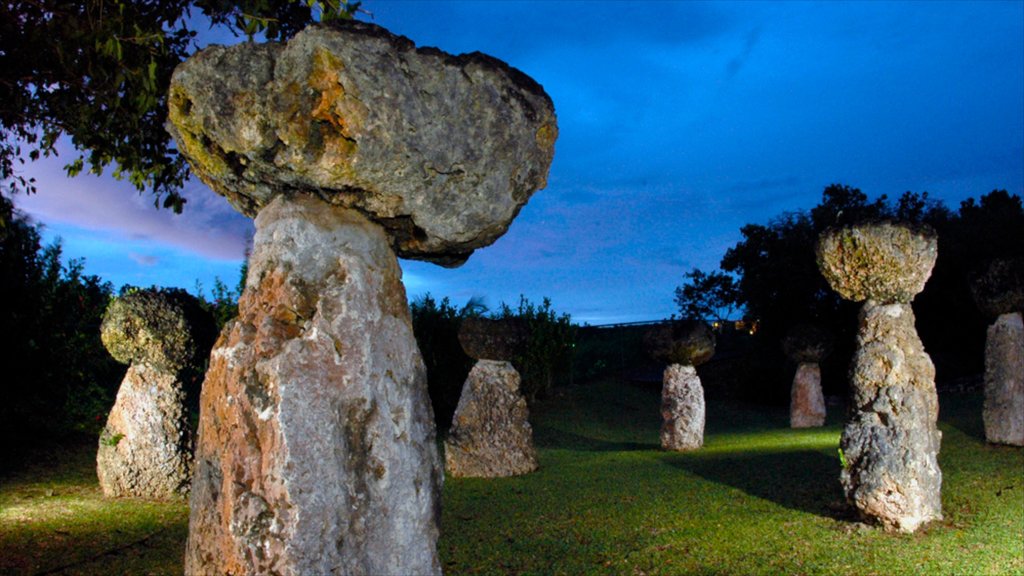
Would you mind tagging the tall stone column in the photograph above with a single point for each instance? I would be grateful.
(350, 146)
(891, 441)
(999, 293)
(316, 448)
(145, 449)
(491, 435)
(807, 345)
(683, 345)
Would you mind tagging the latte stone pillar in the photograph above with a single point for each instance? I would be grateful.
(891, 441)
(145, 449)
(683, 345)
(491, 435)
(998, 290)
(807, 345)
(351, 147)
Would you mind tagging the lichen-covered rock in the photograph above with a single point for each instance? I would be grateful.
(1004, 381)
(316, 449)
(884, 262)
(891, 442)
(807, 343)
(492, 339)
(998, 288)
(145, 450)
(440, 150)
(490, 435)
(686, 342)
(807, 402)
(166, 329)
(682, 409)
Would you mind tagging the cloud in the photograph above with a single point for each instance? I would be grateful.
(144, 259)
(113, 209)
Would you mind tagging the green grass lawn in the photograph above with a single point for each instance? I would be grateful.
(758, 499)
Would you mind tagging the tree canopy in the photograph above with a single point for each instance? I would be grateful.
(778, 282)
(97, 72)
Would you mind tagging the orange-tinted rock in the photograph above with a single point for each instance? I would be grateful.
(807, 402)
(316, 450)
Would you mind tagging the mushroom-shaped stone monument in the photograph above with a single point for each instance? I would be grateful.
(891, 442)
(490, 435)
(145, 449)
(998, 290)
(683, 345)
(316, 451)
(807, 345)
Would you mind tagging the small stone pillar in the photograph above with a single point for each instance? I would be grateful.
(683, 345)
(807, 345)
(890, 442)
(491, 435)
(999, 293)
(145, 449)
(316, 450)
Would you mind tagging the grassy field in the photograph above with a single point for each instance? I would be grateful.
(758, 499)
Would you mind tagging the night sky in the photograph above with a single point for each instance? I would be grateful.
(680, 122)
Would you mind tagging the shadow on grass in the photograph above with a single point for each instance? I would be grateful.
(544, 437)
(804, 480)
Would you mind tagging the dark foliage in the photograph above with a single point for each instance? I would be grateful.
(97, 72)
(436, 327)
(58, 378)
(547, 359)
(780, 286)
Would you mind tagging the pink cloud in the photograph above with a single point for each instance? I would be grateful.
(208, 227)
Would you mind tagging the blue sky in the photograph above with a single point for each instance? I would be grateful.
(680, 122)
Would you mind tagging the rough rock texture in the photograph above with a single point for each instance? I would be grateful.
(166, 329)
(682, 409)
(145, 449)
(998, 288)
(806, 402)
(686, 342)
(807, 343)
(884, 262)
(316, 451)
(490, 339)
(441, 150)
(490, 435)
(1004, 381)
(891, 443)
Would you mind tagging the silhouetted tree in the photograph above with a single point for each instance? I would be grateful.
(707, 296)
(97, 71)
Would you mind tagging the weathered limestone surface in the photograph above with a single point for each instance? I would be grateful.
(884, 262)
(1004, 381)
(807, 402)
(490, 435)
(998, 287)
(891, 441)
(316, 450)
(807, 343)
(686, 342)
(441, 150)
(682, 409)
(145, 449)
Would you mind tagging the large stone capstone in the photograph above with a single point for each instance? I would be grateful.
(890, 442)
(492, 339)
(316, 450)
(490, 435)
(998, 287)
(884, 262)
(440, 150)
(145, 448)
(685, 342)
